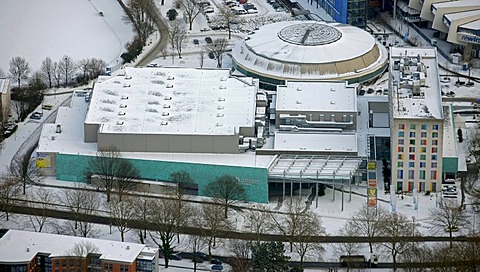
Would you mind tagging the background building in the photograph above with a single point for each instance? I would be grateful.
(417, 119)
(309, 50)
(42, 252)
(5, 101)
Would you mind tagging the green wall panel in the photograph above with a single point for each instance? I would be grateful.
(450, 165)
(255, 180)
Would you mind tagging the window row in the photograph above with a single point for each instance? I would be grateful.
(411, 157)
(412, 134)
(413, 142)
(414, 126)
(421, 186)
(412, 149)
(422, 164)
(421, 174)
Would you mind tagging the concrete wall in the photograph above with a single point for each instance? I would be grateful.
(5, 105)
(255, 180)
(90, 133)
(170, 143)
(315, 116)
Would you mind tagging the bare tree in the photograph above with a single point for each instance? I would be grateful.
(67, 69)
(57, 73)
(227, 17)
(396, 227)
(196, 243)
(2, 73)
(298, 226)
(142, 208)
(121, 212)
(473, 144)
(201, 57)
(143, 12)
(257, 222)
(191, 10)
(9, 189)
(113, 172)
(22, 170)
(348, 229)
(47, 71)
(164, 214)
(218, 48)
(183, 182)
(42, 199)
(83, 67)
(96, 67)
(19, 69)
(368, 221)
(21, 108)
(242, 252)
(82, 249)
(176, 33)
(226, 190)
(180, 41)
(448, 217)
(82, 205)
(212, 221)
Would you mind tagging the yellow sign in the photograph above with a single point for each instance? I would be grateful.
(371, 165)
(43, 161)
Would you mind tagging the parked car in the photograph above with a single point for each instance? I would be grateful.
(215, 261)
(47, 106)
(217, 267)
(195, 41)
(252, 11)
(152, 65)
(200, 255)
(175, 257)
(208, 40)
(208, 9)
(35, 116)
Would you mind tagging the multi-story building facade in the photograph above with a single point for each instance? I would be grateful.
(5, 99)
(416, 115)
(22, 251)
(353, 12)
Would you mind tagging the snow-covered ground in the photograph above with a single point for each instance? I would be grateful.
(35, 30)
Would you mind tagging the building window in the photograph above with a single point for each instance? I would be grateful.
(400, 156)
(434, 149)
(423, 134)
(400, 149)
(411, 174)
(423, 157)
(423, 142)
(411, 149)
(411, 157)
(434, 127)
(434, 142)
(400, 141)
(434, 157)
(422, 187)
(412, 134)
(411, 164)
(434, 134)
(401, 126)
(401, 134)
(399, 186)
(400, 174)
(413, 126)
(412, 142)
(423, 149)
(422, 174)
(126, 268)
(400, 164)
(434, 165)
(424, 127)
(433, 174)
(423, 164)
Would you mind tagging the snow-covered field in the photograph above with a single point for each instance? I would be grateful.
(35, 30)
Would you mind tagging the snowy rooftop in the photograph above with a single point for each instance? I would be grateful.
(4, 83)
(326, 142)
(316, 96)
(475, 25)
(416, 85)
(23, 246)
(449, 140)
(459, 15)
(455, 4)
(173, 101)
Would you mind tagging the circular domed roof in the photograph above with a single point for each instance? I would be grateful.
(310, 50)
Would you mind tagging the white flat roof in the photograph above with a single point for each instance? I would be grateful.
(4, 82)
(459, 15)
(405, 104)
(18, 246)
(449, 140)
(173, 101)
(475, 25)
(455, 4)
(316, 96)
(326, 142)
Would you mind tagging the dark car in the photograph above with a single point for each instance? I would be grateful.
(217, 267)
(175, 257)
(195, 41)
(211, 55)
(36, 116)
(215, 261)
(208, 40)
(200, 255)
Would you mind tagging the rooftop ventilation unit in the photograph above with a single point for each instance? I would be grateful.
(166, 106)
(167, 98)
(299, 102)
(222, 87)
(223, 79)
(299, 89)
(165, 114)
(119, 123)
(121, 113)
(219, 124)
(59, 129)
(220, 107)
(169, 85)
(332, 102)
(220, 114)
(123, 106)
(124, 97)
(170, 78)
(332, 89)
(164, 123)
(126, 85)
(128, 77)
(221, 99)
